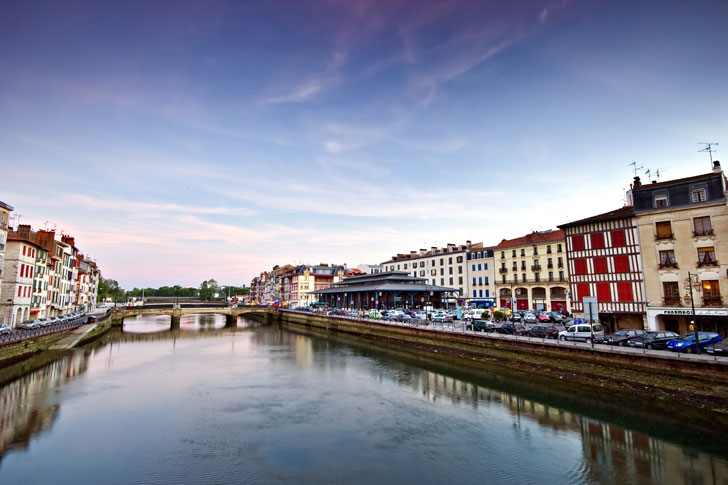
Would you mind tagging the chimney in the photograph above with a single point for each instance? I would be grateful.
(68, 240)
(45, 238)
(24, 231)
(716, 167)
(468, 243)
(637, 184)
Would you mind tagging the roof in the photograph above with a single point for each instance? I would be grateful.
(533, 238)
(621, 213)
(22, 239)
(704, 176)
(6, 206)
(434, 251)
(384, 286)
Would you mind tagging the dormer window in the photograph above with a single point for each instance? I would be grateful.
(660, 201)
(698, 195)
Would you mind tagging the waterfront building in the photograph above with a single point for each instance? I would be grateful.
(532, 272)
(370, 268)
(391, 289)
(440, 266)
(5, 211)
(480, 279)
(17, 283)
(604, 261)
(306, 280)
(683, 229)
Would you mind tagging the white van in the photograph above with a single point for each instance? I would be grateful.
(583, 332)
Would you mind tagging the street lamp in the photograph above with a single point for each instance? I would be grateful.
(694, 324)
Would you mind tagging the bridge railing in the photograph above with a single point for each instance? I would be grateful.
(21, 334)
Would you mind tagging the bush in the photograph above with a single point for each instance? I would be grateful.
(498, 316)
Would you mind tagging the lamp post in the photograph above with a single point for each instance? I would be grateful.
(692, 305)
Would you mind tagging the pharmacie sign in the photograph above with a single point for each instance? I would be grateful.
(717, 313)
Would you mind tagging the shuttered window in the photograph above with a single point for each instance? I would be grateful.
(621, 264)
(664, 230)
(582, 290)
(603, 292)
(600, 265)
(580, 266)
(577, 243)
(597, 240)
(619, 239)
(624, 291)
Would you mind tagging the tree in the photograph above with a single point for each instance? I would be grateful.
(208, 289)
(110, 289)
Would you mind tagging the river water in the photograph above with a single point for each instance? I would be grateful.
(260, 404)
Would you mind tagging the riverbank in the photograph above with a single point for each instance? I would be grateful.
(692, 391)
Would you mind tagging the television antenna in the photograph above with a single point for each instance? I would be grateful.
(47, 225)
(635, 167)
(709, 148)
(15, 221)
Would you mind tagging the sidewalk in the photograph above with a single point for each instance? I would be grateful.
(73, 337)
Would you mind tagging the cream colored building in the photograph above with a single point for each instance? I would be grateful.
(5, 210)
(532, 273)
(480, 279)
(683, 226)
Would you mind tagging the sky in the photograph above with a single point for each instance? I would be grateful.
(182, 141)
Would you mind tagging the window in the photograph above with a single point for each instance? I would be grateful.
(481, 293)
(473, 267)
(706, 256)
(515, 266)
(597, 240)
(449, 260)
(459, 259)
(624, 291)
(485, 266)
(548, 249)
(523, 251)
(433, 272)
(660, 201)
(537, 277)
(475, 293)
(698, 195)
(582, 290)
(524, 277)
(711, 292)
(487, 293)
(442, 261)
(442, 271)
(619, 238)
(514, 253)
(523, 265)
(558, 248)
(449, 270)
(478, 266)
(442, 282)
(503, 254)
(561, 262)
(577, 243)
(621, 264)
(480, 280)
(580, 266)
(702, 226)
(504, 279)
(535, 250)
(600, 265)
(473, 281)
(663, 229)
(460, 281)
(486, 280)
(405, 265)
(603, 292)
(667, 259)
(515, 278)
(672, 292)
(433, 262)
(460, 270)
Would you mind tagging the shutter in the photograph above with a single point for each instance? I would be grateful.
(624, 291)
(621, 264)
(600, 265)
(619, 239)
(597, 240)
(580, 266)
(603, 292)
(577, 243)
(664, 229)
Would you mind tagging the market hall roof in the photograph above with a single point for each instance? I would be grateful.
(390, 281)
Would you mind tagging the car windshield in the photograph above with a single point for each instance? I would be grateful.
(621, 332)
(687, 336)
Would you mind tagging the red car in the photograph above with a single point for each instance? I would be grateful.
(542, 317)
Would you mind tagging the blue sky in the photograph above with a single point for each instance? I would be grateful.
(179, 141)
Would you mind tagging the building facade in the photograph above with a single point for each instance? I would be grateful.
(480, 279)
(683, 227)
(532, 272)
(5, 211)
(17, 284)
(604, 261)
(307, 279)
(440, 266)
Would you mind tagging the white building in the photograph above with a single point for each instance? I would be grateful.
(17, 284)
(370, 268)
(480, 280)
(5, 210)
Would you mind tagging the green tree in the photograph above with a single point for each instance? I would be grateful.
(208, 289)
(110, 289)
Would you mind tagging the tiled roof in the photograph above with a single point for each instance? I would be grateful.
(705, 176)
(621, 213)
(533, 238)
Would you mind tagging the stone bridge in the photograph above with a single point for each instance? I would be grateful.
(177, 311)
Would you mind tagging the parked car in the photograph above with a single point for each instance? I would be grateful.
(543, 317)
(530, 318)
(543, 331)
(620, 337)
(481, 325)
(686, 341)
(718, 349)
(555, 316)
(374, 314)
(511, 328)
(29, 325)
(583, 332)
(651, 340)
(474, 314)
(4, 329)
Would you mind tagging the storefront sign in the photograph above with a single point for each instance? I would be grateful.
(699, 312)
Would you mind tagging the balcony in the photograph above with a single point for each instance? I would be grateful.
(536, 267)
(664, 237)
(703, 233)
(713, 301)
(668, 265)
(672, 301)
(707, 263)
(503, 270)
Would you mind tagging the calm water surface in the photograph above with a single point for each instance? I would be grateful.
(263, 405)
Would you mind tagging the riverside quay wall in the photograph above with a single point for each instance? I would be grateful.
(694, 389)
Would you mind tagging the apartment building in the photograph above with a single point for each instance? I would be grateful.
(683, 229)
(5, 211)
(306, 279)
(604, 260)
(17, 283)
(532, 272)
(440, 266)
(480, 279)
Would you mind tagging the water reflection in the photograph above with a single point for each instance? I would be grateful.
(281, 397)
(203, 322)
(147, 324)
(28, 405)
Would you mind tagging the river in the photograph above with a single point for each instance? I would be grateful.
(262, 404)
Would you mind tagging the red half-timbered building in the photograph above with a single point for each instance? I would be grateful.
(603, 254)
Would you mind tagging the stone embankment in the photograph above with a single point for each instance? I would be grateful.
(697, 386)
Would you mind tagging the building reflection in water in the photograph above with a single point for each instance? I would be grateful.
(27, 406)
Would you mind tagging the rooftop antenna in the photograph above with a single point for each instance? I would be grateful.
(635, 167)
(657, 172)
(47, 225)
(647, 172)
(15, 218)
(709, 148)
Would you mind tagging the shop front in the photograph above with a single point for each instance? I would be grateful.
(678, 320)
